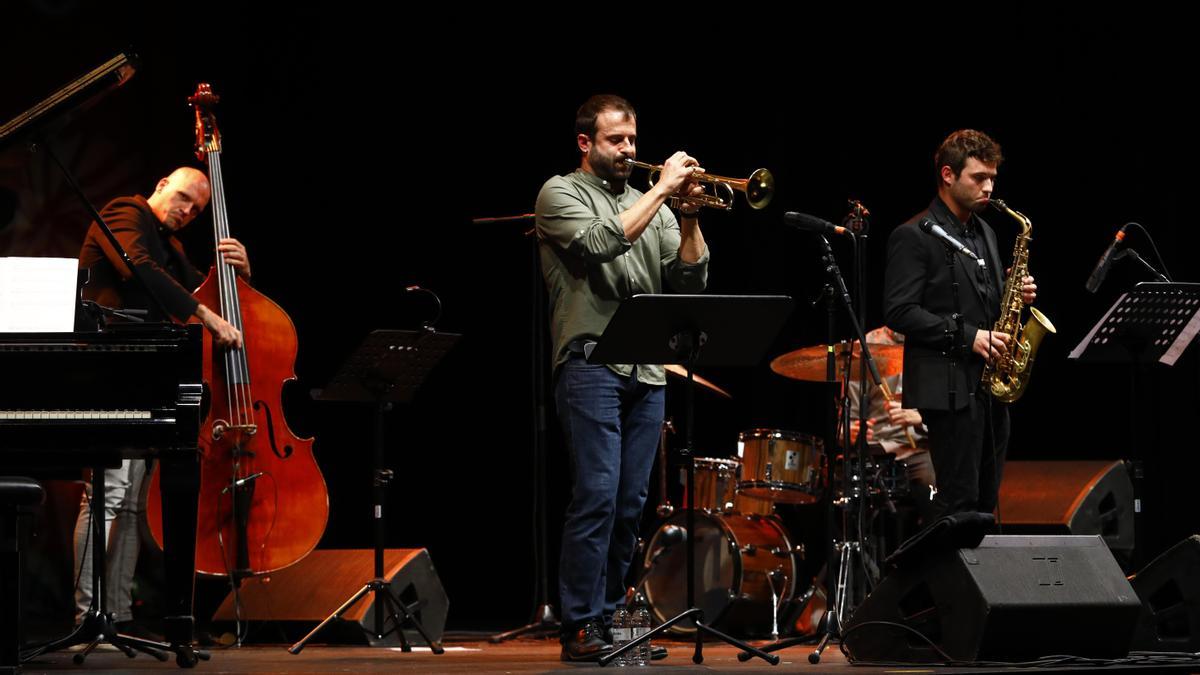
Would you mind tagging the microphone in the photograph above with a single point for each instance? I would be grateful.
(242, 481)
(803, 221)
(1105, 262)
(936, 230)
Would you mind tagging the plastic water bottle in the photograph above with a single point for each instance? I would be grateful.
(640, 621)
(622, 633)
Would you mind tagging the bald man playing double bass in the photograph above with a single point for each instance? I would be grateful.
(146, 228)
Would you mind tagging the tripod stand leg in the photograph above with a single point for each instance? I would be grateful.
(385, 601)
(776, 646)
(127, 644)
(815, 657)
(524, 630)
(753, 651)
(544, 622)
(408, 617)
(337, 614)
(91, 647)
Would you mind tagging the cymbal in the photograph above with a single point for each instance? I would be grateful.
(681, 372)
(808, 363)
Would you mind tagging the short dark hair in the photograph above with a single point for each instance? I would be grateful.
(962, 144)
(585, 118)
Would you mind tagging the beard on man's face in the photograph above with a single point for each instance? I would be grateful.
(609, 168)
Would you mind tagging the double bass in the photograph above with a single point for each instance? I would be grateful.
(263, 501)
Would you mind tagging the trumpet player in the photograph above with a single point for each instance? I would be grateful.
(602, 241)
(943, 357)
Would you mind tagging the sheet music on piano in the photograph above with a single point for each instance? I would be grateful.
(37, 295)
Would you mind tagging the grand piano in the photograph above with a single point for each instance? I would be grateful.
(91, 399)
(88, 399)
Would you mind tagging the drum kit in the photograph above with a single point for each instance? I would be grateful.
(747, 562)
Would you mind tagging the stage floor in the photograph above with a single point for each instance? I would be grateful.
(476, 657)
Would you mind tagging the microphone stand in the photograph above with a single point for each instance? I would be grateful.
(840, 587)
(544, 620)
(848, 501)
(956, 337)
(836, 288)
(858, 222)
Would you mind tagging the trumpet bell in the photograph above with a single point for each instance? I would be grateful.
(760, 187)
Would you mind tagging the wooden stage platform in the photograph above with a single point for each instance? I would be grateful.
(480, 657)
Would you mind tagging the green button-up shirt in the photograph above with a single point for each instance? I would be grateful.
(590, 267)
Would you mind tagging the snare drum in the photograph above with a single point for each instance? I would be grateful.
(781, 466)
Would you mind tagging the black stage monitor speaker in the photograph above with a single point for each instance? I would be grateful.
(299, 597)
(1078, 497)
(1014, 598)
(1169, 588)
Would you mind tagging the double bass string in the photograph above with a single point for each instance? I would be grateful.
(214, 171)
(237, 368)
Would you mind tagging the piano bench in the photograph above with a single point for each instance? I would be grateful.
(17, 497)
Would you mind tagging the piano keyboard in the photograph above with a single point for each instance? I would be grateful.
(62, 415)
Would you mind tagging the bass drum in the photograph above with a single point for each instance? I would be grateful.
(741, 562)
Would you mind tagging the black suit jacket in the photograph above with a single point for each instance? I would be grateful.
(156, 253)
(919, 302)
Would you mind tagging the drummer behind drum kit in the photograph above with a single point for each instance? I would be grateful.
(746, 563)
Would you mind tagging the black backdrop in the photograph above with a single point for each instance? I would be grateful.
(359, 144)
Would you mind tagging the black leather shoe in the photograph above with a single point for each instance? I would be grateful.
(586, 643)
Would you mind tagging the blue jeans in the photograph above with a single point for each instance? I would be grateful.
(612, 426)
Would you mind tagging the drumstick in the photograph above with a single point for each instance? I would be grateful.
(887, 396)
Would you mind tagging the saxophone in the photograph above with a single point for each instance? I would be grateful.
(1008, 376)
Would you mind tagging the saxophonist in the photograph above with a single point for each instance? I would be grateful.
(926, 291)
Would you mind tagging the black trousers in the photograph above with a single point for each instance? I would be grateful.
(968, 447)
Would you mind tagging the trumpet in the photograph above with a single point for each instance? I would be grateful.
(758, 188)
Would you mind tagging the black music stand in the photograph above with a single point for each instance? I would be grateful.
(387, 368)
(1153, 323)
(723, 330)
